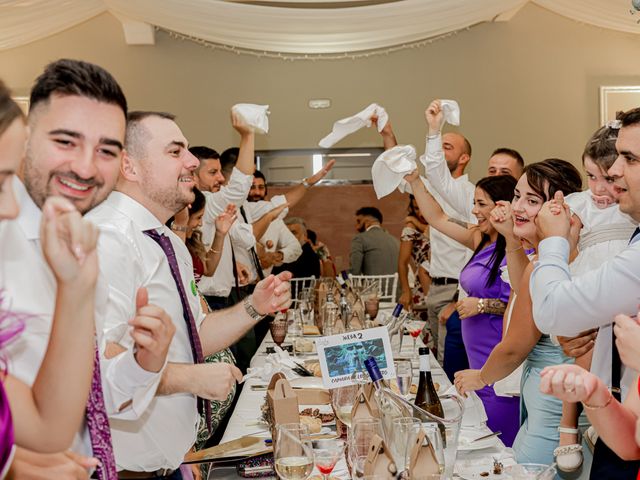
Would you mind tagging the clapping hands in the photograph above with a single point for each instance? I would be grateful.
(554, 218)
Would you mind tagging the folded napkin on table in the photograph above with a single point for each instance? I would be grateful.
(254, 116)
(390, 167)
(280, 361)
(347, 126)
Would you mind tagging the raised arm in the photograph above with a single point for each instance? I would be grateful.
(68, 243)
(294, 195)
(404, 258)
(245, 161)
(458, 196)
(467, 235)
(223, 223)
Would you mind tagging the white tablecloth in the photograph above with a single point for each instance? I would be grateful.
(247, 413)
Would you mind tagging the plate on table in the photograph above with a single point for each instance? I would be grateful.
(307, 382)
(324, 412)
(467, 435)
(483, 470)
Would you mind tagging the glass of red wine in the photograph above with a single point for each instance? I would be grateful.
(278, 329)
(414, 328)
(326, 454)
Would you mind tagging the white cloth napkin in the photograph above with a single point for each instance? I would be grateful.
(451, 111)
(390, 168)
(280, 361)
(347, 126)
(255, 116)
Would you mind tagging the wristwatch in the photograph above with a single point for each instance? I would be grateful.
(250, 309)
(305, 183)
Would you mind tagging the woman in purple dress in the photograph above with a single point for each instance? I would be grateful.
(482, 311)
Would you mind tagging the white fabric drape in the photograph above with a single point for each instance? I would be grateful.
(332, 29)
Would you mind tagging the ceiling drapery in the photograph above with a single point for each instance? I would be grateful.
(297, 26)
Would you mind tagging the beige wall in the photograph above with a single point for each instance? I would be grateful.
(531, 83)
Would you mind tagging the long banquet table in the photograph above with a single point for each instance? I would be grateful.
(247, 413)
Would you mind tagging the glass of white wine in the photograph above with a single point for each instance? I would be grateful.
(293, 452)
(404, 376)
(342, 400)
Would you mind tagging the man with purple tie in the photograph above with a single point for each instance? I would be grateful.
(136, 248)
(77, 119)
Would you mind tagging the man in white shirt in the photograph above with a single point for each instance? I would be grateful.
(77, 120)
(156, 181)
(563, 305)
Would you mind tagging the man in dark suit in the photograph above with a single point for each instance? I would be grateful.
(374, 251)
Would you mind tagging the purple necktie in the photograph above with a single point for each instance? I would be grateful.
(204, 406)
(98, 425)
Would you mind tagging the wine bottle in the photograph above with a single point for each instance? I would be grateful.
(427, 397)
(389, 406)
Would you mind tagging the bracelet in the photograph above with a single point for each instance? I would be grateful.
(178, 228)
(513, 249)
(481, 305)
(305, 183)
(598, 407)
(215, 252)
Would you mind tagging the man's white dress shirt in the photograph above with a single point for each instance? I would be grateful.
(563, 305)
(29, 287)
(129, 260)
(236, 191)
(458, 192)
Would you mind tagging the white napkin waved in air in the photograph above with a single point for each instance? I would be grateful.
(349, 125)
(451, 111)
(254, 116)
(390, 167)
(280, 361)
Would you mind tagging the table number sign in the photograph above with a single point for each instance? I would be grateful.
(342, 356)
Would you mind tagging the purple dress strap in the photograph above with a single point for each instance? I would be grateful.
(6, 433)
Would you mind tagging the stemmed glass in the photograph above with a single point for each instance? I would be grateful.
(414, 328)
(404, 432)
(360, 435)
(326, 454)
(371, 306)
(342, 400)
(293, 454)
(404, 375)
(278, 329)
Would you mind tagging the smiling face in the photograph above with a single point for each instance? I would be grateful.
(600, 184)
(74, 150)
(258, 190)
(209, 176)
(626, 171)
(525, 206)
(165, 176)
(12, 142)
(195, 222)
(482, 206)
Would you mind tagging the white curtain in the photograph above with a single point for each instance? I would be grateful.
(303, 30)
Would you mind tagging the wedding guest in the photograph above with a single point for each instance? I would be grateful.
(482, 311)
(307, 264)
(565, 305)
(374, 251)
(155, 182)
(327, 264)
(540, 416)
(77, 126)
(447, 257)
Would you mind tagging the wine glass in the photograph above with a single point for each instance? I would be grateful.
(342, 400)
(360, 434)
(414, 328)
(326, 454)
(278, 329)
(371, 306)
(293, 454)
(404, 375)
(404, 432)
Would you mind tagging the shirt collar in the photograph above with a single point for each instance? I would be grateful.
(462, 178)
(30, 215)
(373, 226)
(134, 210)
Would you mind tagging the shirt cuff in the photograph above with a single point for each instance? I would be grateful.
(553, 247)
(132, 387)
(434, 146)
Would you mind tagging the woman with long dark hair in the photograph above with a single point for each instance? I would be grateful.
(482, 311)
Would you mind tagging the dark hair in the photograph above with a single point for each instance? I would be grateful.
(630, 117)
(601, 148)
(498, 187)
(228, 160)
(194, 243)
(204, 153)
(259, 174)
(411, 209)
(512, 153)
(9, 110)
(312, 236)
(553, 175)
(370, 212)
(74, 77)
(137, 136)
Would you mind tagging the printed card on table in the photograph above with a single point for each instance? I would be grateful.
(342, 356)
